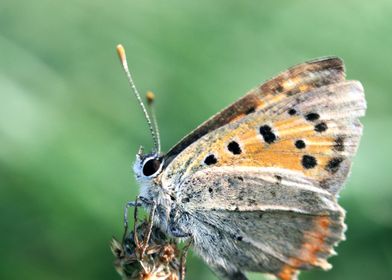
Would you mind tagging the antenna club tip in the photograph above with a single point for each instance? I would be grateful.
(150, 96)
(121, 52)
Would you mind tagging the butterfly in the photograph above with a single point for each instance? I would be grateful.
(255, 187)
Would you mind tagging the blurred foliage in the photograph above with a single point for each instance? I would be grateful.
(69, 127)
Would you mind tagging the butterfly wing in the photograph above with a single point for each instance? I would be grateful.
(272, 220)
(298, 132)
(296, 79)
(306, 120)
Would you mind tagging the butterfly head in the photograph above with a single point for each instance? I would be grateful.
(148, 167)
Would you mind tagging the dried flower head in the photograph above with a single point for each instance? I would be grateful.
(158, 259)
(147, 253)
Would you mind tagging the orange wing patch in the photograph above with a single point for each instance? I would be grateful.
(290, 143)
(317, 244)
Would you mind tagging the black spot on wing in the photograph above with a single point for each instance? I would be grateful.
(312, 117)
(234, 148)
(309, 162)
(333, 165)
(339, 144)
(321, 127)
(292, 112)
(250, 110)
(300, 144)
(211, 159)
(268, 136)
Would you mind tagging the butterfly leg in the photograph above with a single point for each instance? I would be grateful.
(139, 201)
(149, 229)
(129, 204)
(184, 254)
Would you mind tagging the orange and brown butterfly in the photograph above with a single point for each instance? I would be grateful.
(255, 187)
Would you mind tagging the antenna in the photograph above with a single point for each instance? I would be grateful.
(150, 96)
(123, 59)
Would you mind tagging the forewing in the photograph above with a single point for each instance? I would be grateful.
(299, 78)
(313, 130)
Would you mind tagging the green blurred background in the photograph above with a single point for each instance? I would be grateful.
(69, 127)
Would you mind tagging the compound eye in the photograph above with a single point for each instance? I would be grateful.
(151, 166)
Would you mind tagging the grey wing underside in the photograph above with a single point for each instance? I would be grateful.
(261, 219)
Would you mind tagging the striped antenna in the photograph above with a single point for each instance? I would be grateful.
(150, 96)
(123, 59)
